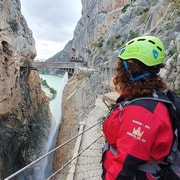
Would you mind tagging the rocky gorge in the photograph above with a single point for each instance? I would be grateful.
(105, 25)
(99, 34)
(25, 117)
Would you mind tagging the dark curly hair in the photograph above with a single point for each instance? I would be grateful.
(142, 87)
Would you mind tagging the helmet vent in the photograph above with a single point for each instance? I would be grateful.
(130, 42)
(152, 42)
(141, 39)
(159, 48)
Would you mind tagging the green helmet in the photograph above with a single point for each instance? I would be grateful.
(147, 49)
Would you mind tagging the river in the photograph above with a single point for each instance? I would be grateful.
(43, 169)
(58, 84)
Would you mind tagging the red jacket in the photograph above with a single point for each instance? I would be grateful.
(139, 132)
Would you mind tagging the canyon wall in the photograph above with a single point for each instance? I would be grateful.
(106, 25)
(24, 111)
(102, 30)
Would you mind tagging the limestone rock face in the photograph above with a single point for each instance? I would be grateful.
(24, 110)
(106, 25)
(78, 100)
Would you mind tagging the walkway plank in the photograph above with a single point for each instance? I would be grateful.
(89, 166)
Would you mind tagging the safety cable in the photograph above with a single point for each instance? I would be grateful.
(50, 152)
(74, 158)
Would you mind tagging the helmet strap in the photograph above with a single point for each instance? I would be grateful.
(147, 74)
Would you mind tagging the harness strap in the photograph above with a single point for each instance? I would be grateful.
(147, 168)
(107, 146)
(113, 150)
(150, 168)
(171, 157)
(125, 103)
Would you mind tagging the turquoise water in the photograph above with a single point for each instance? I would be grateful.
(58, 84)
(55, 104)
(43, 168)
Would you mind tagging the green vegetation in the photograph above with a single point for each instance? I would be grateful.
(119, 46)
(178, 92)
(44, 83)
(14, 25)
(127, 5)
(112, 40)
(176, 2)
(172, 51)
(102, 50)
(132, 35)
(88, 51)
(169, 25)
(118, 40)
(143, 17)
(98, 44)
(125, 8)
(118, 36)
(53, 91)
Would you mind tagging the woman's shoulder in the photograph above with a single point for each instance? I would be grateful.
(143, 102)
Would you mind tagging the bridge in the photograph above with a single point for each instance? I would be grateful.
(66, 66)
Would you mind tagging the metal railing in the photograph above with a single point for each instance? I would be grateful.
(75, 157)
(52, 151)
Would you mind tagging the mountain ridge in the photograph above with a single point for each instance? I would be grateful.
(106, 25)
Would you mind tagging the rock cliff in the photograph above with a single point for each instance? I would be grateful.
(24, 110)
(78, 100)
(106, 25)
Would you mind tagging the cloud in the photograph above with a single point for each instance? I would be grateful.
(51, 21)
(47, 48)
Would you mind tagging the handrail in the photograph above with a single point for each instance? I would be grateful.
(74, 158)
(50, 152)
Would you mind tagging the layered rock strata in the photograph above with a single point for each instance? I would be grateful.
(24, 110)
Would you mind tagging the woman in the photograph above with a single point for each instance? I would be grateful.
(142, 130)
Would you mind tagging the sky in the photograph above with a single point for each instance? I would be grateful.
(52, 23)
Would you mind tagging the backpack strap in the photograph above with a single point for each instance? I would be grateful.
(171, 157)
(125, 103)
(152, 168)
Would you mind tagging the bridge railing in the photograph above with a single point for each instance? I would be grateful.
(56, 65)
